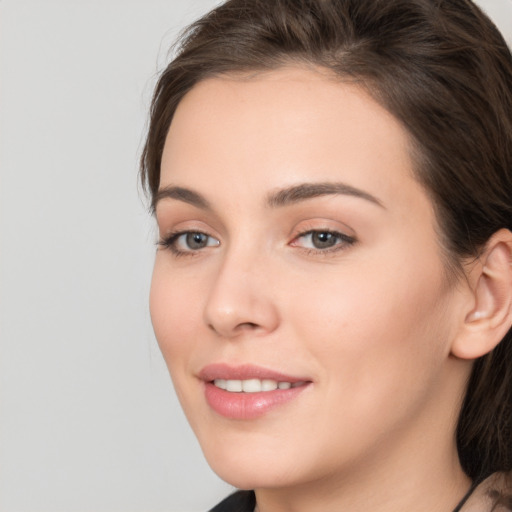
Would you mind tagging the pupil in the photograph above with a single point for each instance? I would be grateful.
(323, 240)
(196, 240)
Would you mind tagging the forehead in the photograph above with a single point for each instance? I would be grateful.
(289, 125)
(283, 100)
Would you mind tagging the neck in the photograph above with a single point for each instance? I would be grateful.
(436, 492)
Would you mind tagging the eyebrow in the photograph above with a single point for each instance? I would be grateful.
(181, 194)
(279, 198)
(297, 193)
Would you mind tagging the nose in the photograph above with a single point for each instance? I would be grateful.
(241, 299)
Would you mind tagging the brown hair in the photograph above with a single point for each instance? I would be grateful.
(439, 66)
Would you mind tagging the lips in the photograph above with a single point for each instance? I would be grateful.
(248, 392)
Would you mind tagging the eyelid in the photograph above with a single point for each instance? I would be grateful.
(176, 223)
(321, 223)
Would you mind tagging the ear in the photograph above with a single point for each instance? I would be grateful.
(489, 313)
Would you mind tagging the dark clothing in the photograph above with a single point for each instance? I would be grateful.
(491, 495)
(240, 501)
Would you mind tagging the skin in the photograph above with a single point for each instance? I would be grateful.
(370, 323)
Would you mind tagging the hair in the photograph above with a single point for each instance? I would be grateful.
(445, 72)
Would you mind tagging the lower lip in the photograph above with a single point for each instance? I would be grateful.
(248, 406)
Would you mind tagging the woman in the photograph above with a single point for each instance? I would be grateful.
(332, 291)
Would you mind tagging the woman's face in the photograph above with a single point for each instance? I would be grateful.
(297, 248)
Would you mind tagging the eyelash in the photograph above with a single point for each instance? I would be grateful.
(342, 242)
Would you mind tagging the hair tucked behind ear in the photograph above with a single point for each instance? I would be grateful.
(441, 68)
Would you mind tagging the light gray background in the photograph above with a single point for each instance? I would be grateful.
(89, 421)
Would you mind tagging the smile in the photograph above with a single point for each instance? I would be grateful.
(254, 385)
(248, 392)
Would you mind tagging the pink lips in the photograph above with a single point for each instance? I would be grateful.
(247, 406)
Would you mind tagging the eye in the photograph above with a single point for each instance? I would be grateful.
(185, 242)
(322, 240)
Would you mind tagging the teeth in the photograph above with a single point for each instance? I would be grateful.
(253, 385)
(268, 385)
(220, 383)
(234, 385)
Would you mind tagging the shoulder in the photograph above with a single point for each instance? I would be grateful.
(494, 494)
(240, 501)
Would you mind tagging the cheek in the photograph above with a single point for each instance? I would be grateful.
(175, 314)
(381, 337)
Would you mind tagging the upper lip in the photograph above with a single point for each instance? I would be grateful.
(244, 372)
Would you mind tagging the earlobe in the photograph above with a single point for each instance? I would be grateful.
(490, 315)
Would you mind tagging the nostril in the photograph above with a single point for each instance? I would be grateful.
(248, 326)
(243, 326)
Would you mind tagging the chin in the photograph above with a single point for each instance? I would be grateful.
(246, 478)
(248, 469)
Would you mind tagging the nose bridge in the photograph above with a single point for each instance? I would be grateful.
(241, 298)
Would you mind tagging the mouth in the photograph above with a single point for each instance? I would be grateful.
(254, 385)
(248, 392)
